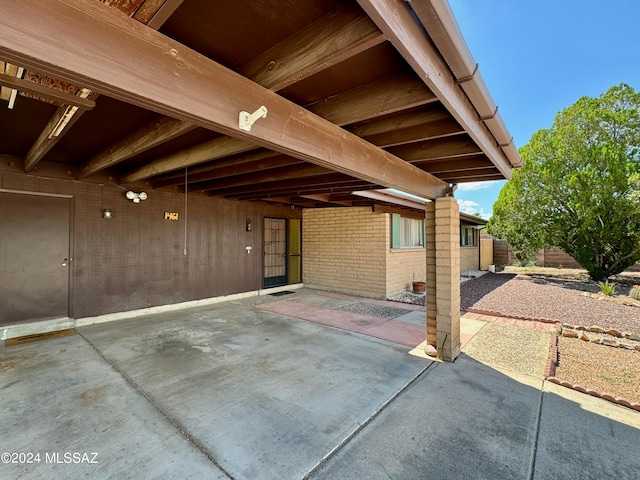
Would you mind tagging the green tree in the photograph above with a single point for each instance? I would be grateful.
(579, 188)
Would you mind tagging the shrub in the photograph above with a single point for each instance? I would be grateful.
(609, 289)
(635, 292)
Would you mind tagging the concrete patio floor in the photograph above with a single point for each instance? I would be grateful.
(235, 391)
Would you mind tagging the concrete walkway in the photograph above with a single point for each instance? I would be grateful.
(233, 391)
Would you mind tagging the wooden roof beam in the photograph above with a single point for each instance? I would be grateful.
(473, 176)
(328, 181)
(46, 92)
(417, 133)
(332, 39)
(455, 165)
(46, 140)
(395, 20)
(236, 169)
(347, 188)
(271, 175)
(381, 97)
(155, 133)
(436, 149)
(326, 198)
(86, 43)
(371, 100)
(209, 171)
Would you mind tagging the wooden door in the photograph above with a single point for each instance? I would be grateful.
(34, 257)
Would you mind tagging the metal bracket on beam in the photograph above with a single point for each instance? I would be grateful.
(247, 119)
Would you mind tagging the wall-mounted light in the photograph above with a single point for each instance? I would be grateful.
(136, 197)
(248, 224)
(106, 213)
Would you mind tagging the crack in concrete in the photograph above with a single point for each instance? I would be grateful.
(179, 427)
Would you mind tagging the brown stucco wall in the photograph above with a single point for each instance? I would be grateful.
(136, 259)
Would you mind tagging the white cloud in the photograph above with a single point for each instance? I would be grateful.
(465, 187)
(470, 208)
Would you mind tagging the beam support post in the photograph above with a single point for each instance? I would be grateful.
(443, 276)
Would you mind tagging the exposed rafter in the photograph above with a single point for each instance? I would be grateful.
(46, 140)
(333, 38)
(436, 149)
(384, 96)
(408, 37)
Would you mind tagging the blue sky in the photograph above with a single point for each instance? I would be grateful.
(539, 56)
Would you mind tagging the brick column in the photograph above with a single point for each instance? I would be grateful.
(430, 245)
(448, 277)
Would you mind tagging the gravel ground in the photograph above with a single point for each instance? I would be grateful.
(548, 298)
(615, 371)
(522, 350)
(372, 310)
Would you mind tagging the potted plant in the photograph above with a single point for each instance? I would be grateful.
(419, 287)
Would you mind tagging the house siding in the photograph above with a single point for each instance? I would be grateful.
(137, 258)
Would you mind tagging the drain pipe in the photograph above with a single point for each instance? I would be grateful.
(438, 21)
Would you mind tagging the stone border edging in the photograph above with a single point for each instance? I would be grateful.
(570, 331)
(605, 396)
(515, 317)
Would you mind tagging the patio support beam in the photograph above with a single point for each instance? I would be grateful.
(409, 38)
(443, 276)
(381, 97)
(332, 39)
(87, 43)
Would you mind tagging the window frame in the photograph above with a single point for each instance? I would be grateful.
(464, 236)
(399, 232)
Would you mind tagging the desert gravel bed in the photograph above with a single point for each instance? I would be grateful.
(615, 371)
(373, 310)
(523, 350)
(548, 298)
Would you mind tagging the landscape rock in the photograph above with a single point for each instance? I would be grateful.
(584, 337)
(609, 342)
(430, 350)
(567, 332)
(614, 333)
(596, 329)
(628, 346)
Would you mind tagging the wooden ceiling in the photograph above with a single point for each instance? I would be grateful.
(327, 56)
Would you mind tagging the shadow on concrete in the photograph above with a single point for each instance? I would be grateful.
(469, 420)
(229, 391)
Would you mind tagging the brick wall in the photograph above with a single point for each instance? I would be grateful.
(403, 267)
(345, 249)
(468, 259)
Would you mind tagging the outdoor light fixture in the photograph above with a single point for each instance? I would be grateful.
(136, 197)
(248, 224)
(106, 213)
